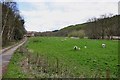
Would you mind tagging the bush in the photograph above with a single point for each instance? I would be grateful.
(79, 34)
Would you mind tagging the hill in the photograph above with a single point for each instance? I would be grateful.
(104, 27)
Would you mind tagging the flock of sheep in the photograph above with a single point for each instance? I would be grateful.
(78, 48)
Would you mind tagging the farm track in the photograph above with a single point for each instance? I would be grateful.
(7, 54)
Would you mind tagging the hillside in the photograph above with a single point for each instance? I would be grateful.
(74, 27)
(95, 28)
(104, 27)
(80, 26)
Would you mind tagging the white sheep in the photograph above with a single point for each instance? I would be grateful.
(75, 47)
(103, 45)
(62, 40)
(85, 46)
(78, 48)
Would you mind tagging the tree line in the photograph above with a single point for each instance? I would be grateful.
(12, 23)
(104, 27)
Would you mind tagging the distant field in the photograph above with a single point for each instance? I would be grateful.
(55, 57)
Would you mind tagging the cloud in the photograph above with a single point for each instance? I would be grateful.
(66, 0)
(46, 16)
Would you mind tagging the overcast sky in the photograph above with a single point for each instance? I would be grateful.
(45, 15)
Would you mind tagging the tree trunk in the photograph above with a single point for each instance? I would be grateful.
(5, 21)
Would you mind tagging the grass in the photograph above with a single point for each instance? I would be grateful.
(62, 61)
(14, 68)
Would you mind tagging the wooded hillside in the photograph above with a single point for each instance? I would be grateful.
(95, 28)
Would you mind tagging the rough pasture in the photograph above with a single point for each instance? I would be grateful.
(62, 60)
(87, 60)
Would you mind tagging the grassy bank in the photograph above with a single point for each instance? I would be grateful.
(14, 67)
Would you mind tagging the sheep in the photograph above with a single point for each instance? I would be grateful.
(103, 45)
(76, 48)
(85, 46)
(62, 40)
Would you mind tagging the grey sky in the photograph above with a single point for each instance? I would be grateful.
(45, 15)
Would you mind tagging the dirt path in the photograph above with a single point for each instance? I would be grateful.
(6, 56)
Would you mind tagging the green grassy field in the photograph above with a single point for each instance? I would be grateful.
(55, 57)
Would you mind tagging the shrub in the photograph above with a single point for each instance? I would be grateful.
(79, 34)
